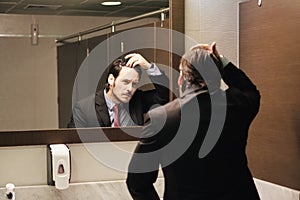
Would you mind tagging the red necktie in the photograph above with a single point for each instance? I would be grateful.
(116, 119)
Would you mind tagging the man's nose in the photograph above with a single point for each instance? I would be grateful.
(129, 87)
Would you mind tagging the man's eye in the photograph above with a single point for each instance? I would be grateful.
(126, 82)
(135, 84)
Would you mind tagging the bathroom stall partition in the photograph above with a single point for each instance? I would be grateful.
(269, 53)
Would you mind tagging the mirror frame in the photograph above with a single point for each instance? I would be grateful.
(68, 136)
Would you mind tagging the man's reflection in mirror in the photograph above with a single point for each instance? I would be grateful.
(121, 102)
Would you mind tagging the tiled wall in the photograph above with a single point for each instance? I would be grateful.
(214, 20)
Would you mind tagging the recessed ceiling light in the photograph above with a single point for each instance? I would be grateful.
(111, 3)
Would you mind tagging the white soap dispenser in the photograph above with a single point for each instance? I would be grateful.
(59, 166)
(10, 191)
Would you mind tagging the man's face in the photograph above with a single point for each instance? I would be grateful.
(124, 86)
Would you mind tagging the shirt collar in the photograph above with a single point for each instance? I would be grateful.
(109, 103)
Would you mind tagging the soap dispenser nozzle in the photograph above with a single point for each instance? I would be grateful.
(10, 191)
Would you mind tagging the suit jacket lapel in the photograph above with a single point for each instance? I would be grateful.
(102, 110)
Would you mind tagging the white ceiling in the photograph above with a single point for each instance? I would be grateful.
(128, 8)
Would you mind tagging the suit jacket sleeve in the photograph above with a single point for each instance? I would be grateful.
(78, 117)
(140, 185)
(159, 95)
(241, 89)
(140, 181)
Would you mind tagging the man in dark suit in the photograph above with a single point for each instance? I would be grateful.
(121, 90)
(204, 119)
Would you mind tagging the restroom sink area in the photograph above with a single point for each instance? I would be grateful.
(106, 190)
(101, 190)
(90, 179)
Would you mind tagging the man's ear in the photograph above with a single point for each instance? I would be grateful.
(180, 80)
(111, 79)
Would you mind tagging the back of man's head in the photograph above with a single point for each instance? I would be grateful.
(200, 67)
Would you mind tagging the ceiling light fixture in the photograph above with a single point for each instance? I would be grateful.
(111, 3)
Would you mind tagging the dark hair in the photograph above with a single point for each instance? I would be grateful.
(199, 67)
(115, 67)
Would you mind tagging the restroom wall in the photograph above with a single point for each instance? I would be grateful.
(27, 165)
(269, 45)
(29, 162)
(207, 21)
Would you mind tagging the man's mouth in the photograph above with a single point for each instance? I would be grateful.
(128, 95)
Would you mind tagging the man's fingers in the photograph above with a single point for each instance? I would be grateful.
(137, 59)
(132, 59)
(130, 55)
(134, 63)
(200, 46)
(129, 63)
(213, 46)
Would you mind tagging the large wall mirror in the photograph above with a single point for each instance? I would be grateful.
(30, 88)
(36, 85)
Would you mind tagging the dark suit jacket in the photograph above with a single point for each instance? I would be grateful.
(223, 173)
(93, 112)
